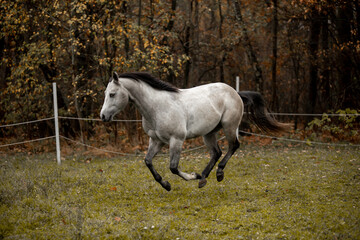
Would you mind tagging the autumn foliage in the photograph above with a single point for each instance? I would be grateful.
(302, 55)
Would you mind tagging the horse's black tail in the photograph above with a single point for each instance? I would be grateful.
(254, 106)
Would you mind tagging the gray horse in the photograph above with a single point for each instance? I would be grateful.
(171, 115)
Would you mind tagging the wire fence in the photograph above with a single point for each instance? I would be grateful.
(27, 141)
(96, 148)
(308, 142)
(128, 154)
(57, 136)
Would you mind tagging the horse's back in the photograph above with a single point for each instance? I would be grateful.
(207, 105)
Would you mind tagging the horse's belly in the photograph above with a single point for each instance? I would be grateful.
(201, 125)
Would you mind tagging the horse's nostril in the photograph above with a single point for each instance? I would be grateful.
(103, 117)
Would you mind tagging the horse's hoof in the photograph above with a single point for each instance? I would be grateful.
(166, 185)
(202, 183)
(196, 175)
(219, 176)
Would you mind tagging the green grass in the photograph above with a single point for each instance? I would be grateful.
(267, 193)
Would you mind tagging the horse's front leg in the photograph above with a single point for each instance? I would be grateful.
(154, 147)
(175, 150)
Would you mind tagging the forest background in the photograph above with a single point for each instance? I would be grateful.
(302, 55)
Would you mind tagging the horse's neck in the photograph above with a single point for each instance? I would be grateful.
(143, 96)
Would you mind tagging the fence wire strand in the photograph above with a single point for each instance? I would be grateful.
(28, 122)
(97, 119)
(131, 154)
(316, 114)
(100, 149)
(28, 141)
(308, 142)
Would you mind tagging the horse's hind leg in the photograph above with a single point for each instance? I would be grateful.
(154, 148)
(233, 145)
(215, 154)
(232, 148)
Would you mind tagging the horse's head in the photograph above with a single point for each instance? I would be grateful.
(116, 99)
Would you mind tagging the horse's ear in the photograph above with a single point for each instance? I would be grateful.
(115, 77)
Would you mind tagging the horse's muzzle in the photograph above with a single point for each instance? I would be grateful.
(104, 119)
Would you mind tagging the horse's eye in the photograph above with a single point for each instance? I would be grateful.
(112, 95)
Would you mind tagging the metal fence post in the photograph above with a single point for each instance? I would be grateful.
(237, 83)
(56, 119)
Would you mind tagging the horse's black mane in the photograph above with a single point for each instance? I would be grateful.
(151, 80)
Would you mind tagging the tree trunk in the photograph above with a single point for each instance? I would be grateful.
(222, 53)
(250, 51)
(191, 44)
(186, 45)
(169, 27)
(296, 73)
(274, 56)
(124, 9)
(325, 68)
(357, 9)
(171, 22)
(344, 37)
(74, 34)
(194, 42)
(3, 75)
(313, 68)
(139, 24)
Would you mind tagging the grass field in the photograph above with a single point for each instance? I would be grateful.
(268, 193)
